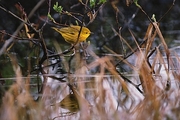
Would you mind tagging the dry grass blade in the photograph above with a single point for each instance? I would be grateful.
(149, 37)
(163, 42)
(17, 100)
(145, 76)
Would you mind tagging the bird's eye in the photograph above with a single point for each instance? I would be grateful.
(72, 33)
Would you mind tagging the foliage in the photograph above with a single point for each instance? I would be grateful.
(57, 8)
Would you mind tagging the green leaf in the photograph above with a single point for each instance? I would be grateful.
(101, 2)
(153, 18)
(57, 8)
(50, 17)
(92, 3)
(136, 3)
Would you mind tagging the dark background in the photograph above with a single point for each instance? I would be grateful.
(106, 19)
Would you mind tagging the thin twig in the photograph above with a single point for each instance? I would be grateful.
(7, 42)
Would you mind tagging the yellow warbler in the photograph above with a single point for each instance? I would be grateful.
(70, 103)
(70, 34)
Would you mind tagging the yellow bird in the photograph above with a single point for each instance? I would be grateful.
(70, 103)
(71, 34)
